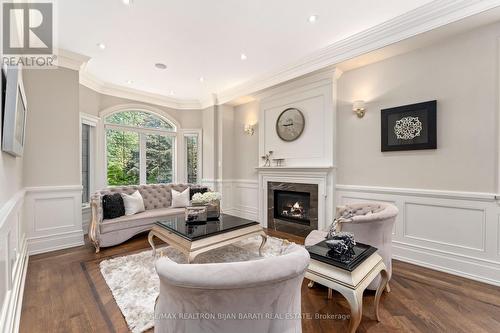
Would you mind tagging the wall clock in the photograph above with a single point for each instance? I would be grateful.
(290, 124)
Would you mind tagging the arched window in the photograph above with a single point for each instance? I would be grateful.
(140, 148)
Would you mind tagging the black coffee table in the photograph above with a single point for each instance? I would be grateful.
(195, 238)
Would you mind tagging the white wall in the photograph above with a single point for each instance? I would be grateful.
(13, 249)
(52, 160)
(445, 220)
(246, 147)
(460, 73)
(52, 131)
(313, 97)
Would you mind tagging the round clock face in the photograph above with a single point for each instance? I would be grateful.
(290, 124)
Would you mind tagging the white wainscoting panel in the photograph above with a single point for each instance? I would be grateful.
(13, 262)
(245, 199)
(454, 232)
(53, 218)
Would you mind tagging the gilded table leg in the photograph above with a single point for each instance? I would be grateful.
(150, 240)
(380, 290)
(264, 240)
(355, 300)
(387, 287)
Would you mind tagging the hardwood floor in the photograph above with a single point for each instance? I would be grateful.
(65, 292)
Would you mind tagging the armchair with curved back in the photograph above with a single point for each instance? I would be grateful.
(246, 297)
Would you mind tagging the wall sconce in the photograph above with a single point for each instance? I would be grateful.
(249, 129)
(359, 108)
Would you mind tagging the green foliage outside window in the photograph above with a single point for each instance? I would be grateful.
(123, 149)
(123, 157)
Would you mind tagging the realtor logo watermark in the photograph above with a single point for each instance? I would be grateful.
(28, 34)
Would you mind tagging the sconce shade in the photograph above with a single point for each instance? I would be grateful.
(359, 108)
(249, 129)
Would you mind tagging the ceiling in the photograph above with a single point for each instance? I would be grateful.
(203, 38)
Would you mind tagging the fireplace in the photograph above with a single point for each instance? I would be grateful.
(292, 207)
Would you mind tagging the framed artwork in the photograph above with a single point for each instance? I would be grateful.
(409, 127)
(290, 124)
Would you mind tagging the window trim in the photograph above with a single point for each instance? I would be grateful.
(190, 132)
(93, 122)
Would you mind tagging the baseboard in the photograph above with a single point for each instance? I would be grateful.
(11, 314)
(429, 259)
(54, 242)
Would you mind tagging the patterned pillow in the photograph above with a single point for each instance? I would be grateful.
(112, 206)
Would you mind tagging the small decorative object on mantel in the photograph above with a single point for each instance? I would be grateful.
(196, 214)
(409, 127)
(290, 124)
(278, 161)
(267, 159)
(211, 200)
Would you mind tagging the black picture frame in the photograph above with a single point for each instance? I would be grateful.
(427, 123)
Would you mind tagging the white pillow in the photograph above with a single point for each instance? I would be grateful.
(180, 199)
(133, 203)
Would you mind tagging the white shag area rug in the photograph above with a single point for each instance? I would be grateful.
(135, 285)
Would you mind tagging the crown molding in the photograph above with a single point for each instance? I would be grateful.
(106, 88)
(78, 62)
(422, 19)
(71, 60)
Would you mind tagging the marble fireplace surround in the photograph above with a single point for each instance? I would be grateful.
(323, 177)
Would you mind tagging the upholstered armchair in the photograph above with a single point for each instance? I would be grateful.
(245, 297)
(371, 223)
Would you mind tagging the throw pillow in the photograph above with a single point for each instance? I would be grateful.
(194, 190)
(180, 199)
(112, 206)
(133, 203)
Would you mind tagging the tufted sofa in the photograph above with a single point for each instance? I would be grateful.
(157, 202)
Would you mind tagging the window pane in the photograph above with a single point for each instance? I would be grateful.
(85, 162)
(159, 159)
(123, 157)
(139, 119)
(192, 158)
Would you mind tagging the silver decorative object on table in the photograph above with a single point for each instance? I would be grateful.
(196, 214)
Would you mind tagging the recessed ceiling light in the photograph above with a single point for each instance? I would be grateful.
(159, 65)
(202, 79)
(243, 56)
(130, 81)
(127, 2)
(172, 93)
(313, 18)
(102, 46)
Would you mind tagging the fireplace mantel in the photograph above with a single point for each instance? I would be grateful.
(322, 176)
(296, 168)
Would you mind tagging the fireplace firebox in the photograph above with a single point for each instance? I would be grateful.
(292, 207)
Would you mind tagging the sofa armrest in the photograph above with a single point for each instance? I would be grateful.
(94, 227)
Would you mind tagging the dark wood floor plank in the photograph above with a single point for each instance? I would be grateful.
(65, 292)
